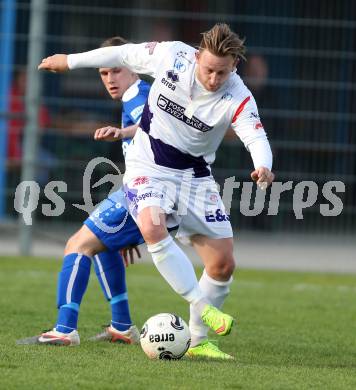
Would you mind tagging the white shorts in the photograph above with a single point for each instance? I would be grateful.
(192, 203)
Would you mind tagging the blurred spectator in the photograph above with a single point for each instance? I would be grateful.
(75, 123)
(17, 114)
(16, 124)
(162, 31)
(255, 74)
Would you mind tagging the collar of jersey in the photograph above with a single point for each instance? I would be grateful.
(131, 91)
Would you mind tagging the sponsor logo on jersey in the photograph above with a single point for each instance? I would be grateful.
(162, 102)
(134, 200)
(140, 180)
(254, 115)
(168, 84)
(217, 216)
(180, 65)
(172, 76)
(226, 96)
(214, 198)
(183, 54)
(177, 112)
(151, 46)
(258, 124)
(136, 112)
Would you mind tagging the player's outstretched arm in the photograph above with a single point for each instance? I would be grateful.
(263, 177)
(139, 58)
(55, 63)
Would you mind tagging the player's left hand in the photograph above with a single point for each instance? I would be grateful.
(263, 177)
(128, 254)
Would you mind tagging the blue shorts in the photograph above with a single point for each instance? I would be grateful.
(113, 225)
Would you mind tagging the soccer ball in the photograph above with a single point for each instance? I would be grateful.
(165, 336)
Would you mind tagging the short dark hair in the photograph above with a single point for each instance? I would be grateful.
(114, 41)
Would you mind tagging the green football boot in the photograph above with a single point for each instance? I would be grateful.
(216, 320)
(208, 350)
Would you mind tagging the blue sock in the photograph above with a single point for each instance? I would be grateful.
(72, 283)
(110, 270)
(67, 319)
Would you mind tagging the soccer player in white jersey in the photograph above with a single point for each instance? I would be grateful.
(195, 98)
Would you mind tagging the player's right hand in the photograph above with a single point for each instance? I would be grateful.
(55, 63)
(128, 255)
(108, 133)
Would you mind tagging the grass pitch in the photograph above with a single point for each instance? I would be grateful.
(295, 331)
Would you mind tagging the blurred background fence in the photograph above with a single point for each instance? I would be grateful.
(301, 69)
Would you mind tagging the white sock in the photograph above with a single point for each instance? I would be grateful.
(215, 292)
(177, 270)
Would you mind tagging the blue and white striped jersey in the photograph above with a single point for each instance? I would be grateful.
(133, 102)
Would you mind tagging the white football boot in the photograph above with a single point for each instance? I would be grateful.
(54, 337)
(129, 336)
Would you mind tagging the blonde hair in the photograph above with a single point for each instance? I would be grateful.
(222, 41)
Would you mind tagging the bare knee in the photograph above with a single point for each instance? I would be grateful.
(153, 234)
(72, 245)
(85, 242)
(217, 256)
(151, 222)
(222, 268)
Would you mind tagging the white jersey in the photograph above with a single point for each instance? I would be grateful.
(182, 124)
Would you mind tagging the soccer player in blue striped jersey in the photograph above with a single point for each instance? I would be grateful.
(108, 230)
